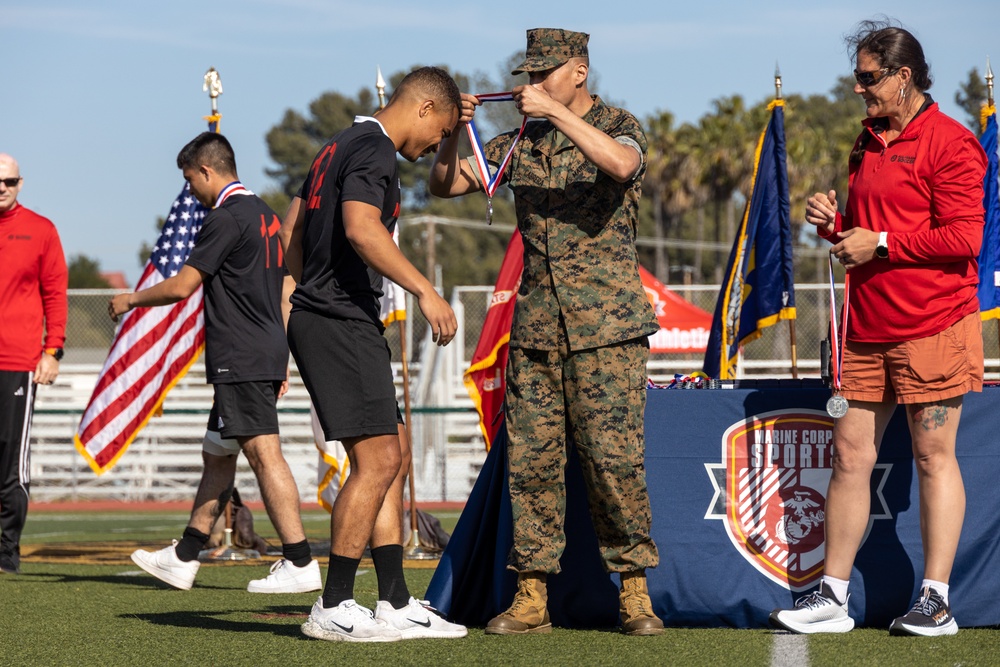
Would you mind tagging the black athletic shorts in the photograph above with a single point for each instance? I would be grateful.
(345, 365)
(245, 409)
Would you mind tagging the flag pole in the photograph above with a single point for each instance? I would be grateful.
(212, 84)
(989, 82)
(380, 87)
(413, 550)
(791, 322)
(990, 104)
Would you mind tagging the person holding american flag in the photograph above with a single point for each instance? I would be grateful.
(238, 260)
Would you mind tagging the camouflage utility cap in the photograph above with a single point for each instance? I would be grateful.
(551, 47)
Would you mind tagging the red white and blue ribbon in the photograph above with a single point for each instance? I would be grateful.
(492, 181)
(837, 353)
(233, 188)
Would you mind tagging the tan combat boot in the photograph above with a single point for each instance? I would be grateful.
(527, 613)
(635, 607)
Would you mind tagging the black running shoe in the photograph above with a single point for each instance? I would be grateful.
(929, 617)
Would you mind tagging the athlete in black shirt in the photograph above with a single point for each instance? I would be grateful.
(338, 245)
(239, 262)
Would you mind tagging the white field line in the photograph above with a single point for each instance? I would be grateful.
(789, 650)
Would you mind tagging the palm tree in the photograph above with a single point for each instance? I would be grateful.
(670, 180)
(723, 148)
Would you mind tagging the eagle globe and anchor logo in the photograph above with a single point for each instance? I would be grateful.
(770, 493)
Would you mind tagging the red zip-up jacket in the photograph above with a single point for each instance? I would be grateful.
(925, 188)
(33, 280)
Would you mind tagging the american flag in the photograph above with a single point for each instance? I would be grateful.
(152, 349)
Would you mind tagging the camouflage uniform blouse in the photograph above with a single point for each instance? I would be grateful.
(581, 272)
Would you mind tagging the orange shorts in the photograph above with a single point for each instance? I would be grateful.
(925, 370)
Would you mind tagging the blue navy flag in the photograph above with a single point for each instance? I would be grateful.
(757, 289)
(989, 266)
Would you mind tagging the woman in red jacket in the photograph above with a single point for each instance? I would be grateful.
(909, 238)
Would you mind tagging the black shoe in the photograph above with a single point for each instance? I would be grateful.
(9, 563)
(929, 617)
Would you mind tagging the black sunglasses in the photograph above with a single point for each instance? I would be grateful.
(11, 182)
(868, 79)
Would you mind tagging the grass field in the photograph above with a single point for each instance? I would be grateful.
(68, 613)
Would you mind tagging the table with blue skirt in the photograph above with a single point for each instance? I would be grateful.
(737, 480)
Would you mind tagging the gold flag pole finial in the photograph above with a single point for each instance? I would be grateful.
(989, 82)
(380, 87)
(213, 86)
(777, 81)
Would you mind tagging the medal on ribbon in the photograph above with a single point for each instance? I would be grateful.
(491, 181)
(837, 406)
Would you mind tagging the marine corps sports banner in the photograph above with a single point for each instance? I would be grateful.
(770, 493)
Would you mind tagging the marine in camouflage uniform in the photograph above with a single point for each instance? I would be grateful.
(578, 346)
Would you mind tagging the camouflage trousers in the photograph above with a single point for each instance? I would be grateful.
(597, 397)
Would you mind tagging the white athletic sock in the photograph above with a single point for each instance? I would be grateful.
(837, 586)
(939, 586)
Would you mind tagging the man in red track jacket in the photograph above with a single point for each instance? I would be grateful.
(33, 280)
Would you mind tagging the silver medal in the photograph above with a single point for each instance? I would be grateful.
(489, 210)
(836, 407)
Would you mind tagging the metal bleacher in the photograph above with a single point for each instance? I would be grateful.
(163, 463)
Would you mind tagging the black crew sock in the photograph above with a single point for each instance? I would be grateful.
(388, 562)
(340, 580)
(297, 554)
(191, 544)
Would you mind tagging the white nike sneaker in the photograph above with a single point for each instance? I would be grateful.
(418, 620)
(347, 622)
(286, 578)
(167, 567)
(820, 611)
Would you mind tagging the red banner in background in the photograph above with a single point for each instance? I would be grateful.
(485, 378)
(684, 327)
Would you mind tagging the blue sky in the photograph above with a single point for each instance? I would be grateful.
(98, 97)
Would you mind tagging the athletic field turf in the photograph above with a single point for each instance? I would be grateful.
(62, 610)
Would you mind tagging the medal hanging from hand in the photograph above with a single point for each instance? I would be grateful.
(491, 181)
(837, 406)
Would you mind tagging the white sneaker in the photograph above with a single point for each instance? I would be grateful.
(167, 567)
(819, 611)
(347, 622)
(286, 578)
(418, 620)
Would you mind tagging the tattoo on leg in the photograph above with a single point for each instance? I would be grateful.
(931, 417)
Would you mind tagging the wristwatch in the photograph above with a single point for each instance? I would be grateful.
(56, 352)
(882, 249)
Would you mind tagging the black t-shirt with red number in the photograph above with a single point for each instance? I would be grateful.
(358, 164)
(238, 248)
